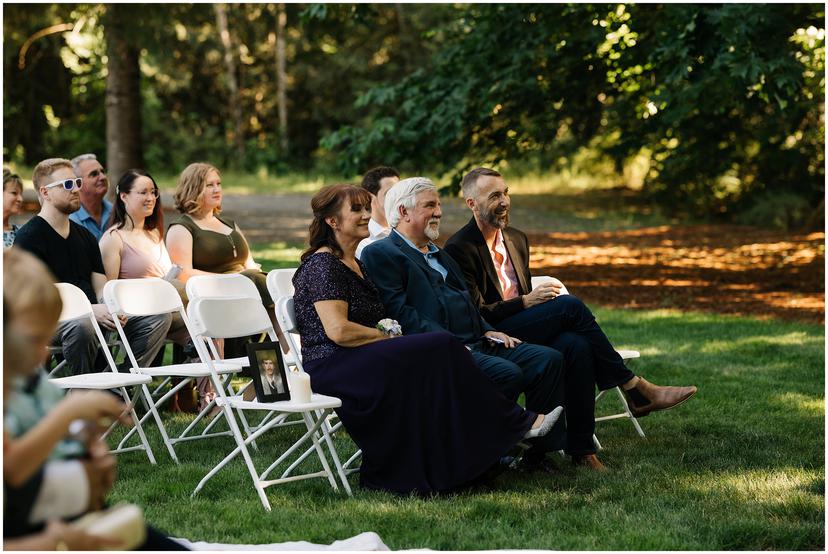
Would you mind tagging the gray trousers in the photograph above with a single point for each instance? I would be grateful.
(77, 338)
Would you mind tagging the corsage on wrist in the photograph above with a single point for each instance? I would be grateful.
(390, 327)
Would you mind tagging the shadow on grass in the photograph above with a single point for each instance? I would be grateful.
(739, 466)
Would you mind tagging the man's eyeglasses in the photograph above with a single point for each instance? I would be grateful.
(68, 184)
(95, 172)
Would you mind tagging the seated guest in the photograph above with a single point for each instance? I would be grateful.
(424, 416)
(377, 181)
(95, 210)
(133, 245)
(494, 258)
(424, 290)
(202, 242)
(71, 253)
(43, 490)
(133, 248)
(12, 203)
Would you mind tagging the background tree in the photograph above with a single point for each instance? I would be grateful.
(721, 105)
(124, 144)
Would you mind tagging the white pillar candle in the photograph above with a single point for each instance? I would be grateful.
(300, 389)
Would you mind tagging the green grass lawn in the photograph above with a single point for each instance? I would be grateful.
(740, 466)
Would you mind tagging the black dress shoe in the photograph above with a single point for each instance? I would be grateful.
(538, 464)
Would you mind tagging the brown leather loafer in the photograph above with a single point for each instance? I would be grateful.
(590, 461)
(646, 397)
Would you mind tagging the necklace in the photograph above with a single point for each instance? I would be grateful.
(232, 243)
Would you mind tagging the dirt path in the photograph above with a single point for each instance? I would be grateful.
(711, 268)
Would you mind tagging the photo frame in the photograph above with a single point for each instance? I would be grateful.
(267, 368)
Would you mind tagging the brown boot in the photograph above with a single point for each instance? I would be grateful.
(646, 397)
(589, 460)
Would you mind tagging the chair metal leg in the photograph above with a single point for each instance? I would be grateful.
(634, 420)
(137, 423)
(339, 469)
(158, 422)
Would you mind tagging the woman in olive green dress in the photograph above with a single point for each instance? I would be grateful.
(202, 242)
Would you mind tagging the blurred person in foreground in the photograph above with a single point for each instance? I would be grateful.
(46, 483)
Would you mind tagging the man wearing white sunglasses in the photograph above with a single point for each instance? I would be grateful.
(71, 252)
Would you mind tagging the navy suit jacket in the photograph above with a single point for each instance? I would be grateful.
(412, 291)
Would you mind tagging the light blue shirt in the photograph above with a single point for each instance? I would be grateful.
(430, 256)
(82, 217)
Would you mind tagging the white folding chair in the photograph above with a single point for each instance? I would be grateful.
(280, 282)
(76, 306)
(216, 318)
(231, 285)
(154, 296)
(625, 355)
(286, 317)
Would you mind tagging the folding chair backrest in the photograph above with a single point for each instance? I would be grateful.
(75, 303)
(77, 306)
(286, 317)
(141, 297)
(221, 286)
(280, 282)
(224, 318)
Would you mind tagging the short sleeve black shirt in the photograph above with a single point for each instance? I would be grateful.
(72, 259)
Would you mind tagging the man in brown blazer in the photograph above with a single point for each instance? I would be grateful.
(494, 258)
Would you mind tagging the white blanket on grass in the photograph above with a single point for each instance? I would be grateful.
(364, 541)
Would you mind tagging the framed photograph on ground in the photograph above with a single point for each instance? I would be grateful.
(268, 371)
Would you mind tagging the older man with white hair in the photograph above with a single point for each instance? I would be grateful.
(95, 210)
(424, 289)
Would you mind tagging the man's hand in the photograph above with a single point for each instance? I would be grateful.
(497, 337)
(105, 318)
(542, 293)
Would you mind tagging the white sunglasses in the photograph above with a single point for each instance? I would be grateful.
(68, 184)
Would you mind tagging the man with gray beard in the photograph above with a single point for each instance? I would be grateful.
(494, 258)
(423, 289)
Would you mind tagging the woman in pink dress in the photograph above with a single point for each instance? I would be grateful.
(133, 248)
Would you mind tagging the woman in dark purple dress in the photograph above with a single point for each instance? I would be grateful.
(426, 418)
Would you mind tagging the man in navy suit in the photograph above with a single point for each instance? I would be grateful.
(424, 290)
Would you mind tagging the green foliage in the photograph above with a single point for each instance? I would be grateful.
(715, 105)
(739, 467)
(777, 209)
(725, 99)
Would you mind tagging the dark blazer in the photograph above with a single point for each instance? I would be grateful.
(471, 253)
(411, 290)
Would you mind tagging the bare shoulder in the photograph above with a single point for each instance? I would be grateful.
(178, 232)
(111, 239)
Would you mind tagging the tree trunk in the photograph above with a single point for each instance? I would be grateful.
(124, 147)
(232, 81)
(281, 77)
